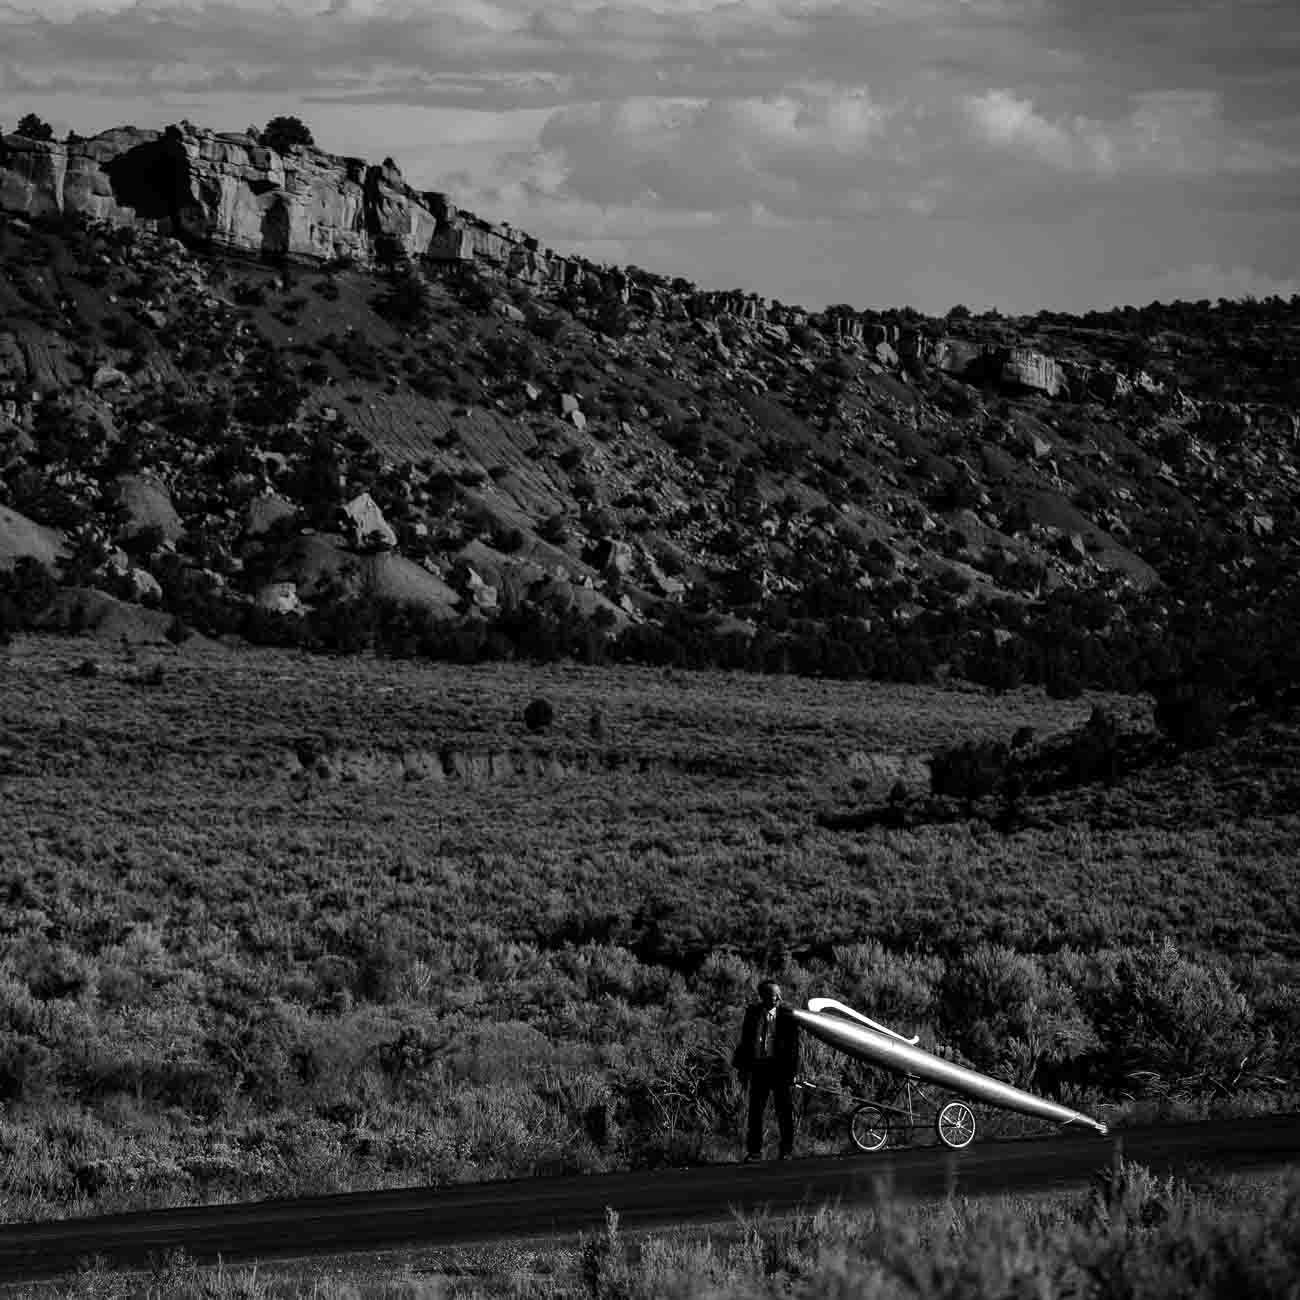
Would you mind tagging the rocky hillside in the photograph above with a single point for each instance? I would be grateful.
(285, 396)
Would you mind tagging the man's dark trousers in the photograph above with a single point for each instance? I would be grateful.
(769, 1079)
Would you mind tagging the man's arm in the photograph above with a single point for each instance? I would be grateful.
(742, 1058)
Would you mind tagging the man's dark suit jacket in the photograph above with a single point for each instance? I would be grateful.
(785, 1042)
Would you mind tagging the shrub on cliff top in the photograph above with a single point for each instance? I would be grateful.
(281, 133)
(34, 128)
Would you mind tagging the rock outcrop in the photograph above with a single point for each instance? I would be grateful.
(1026, 368)
(146, 504)
(1015, 368)
(21, 537)
(229, 190)
(42, 178)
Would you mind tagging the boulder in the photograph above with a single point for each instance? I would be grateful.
(955, 356)
(400, 578)
(367, 525)
(263, 512)
(1026, 368)
(476, 589)
(571, 597)
(109, 377)
(314, 562)
(21, 538)
(144, 586)
(145, 502)
(279, 598)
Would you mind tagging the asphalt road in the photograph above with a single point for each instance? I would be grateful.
(560, 1207)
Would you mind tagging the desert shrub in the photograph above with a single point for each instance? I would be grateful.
(969, 771)
(27, 1068)
(1191, 714)
(1171, 1025)
(1004, 1011)
(409, 1054)
(37, 496)
(381, 964)
(539, 715)
(897, 989)
(34, 127)
(664, 1112)
(406, 301)
(725, 981)
(1000, 667)
(612, 319)
(25, 590)
(247, 294)
(259, 1051)
(285, 131)
(550, 329)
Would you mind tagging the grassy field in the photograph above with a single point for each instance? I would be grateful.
(276, 923)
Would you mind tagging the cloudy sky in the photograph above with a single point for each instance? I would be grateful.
(1018, 154)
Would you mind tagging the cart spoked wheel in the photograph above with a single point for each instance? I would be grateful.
(869, 1128)
(955, 1125)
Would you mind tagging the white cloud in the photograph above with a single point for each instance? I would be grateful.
(807, 150)
(1176, 132)
(1002, 119)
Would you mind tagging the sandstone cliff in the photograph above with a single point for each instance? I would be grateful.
(231, 191)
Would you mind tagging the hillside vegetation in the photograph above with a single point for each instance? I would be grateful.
(446, 460)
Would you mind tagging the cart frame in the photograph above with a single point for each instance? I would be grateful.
(873, 1123)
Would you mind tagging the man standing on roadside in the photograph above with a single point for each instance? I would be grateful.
(767, 1061)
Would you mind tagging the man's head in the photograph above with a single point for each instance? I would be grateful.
(769, 993)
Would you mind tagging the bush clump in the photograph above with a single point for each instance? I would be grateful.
(539, 715)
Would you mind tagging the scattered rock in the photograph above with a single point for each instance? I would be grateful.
(279, 598)
(144, 586)
(146, 504)
(263, 512)
(109, 377)
(22, 537)
(369, 529)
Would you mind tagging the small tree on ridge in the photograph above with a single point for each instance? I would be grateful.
(281, 133)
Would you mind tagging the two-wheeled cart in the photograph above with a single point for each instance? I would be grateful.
(874, 1125)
